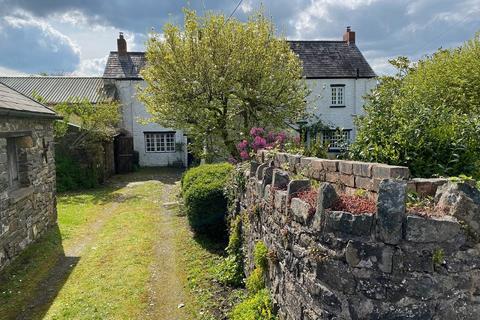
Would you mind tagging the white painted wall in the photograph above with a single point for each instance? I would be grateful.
(319, 101)
(134, 116)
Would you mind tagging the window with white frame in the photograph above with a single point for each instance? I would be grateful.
(338, 95)
(336, 139)
(160, 141)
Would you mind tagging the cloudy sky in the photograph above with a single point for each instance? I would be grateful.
(75, 36)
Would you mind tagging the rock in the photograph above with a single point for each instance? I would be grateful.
(347, 223)
(325, 199)
(369, 255)
(280, 179)
(259, 172)
(428, 187)
(300, 210)
(418, 229)
(462, 201)
(391, 210)
(362, 169)
(384, 171)
(297, 186)
(253, 168)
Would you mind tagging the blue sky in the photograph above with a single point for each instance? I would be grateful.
(75, 36)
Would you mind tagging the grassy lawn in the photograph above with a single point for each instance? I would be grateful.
(97, 264)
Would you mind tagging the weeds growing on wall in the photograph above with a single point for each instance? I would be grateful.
(258, 305)
(230, 271)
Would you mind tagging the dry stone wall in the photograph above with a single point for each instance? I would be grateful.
(27, 211)
(382, 265)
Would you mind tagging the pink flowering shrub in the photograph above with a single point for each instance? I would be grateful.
(260, 139)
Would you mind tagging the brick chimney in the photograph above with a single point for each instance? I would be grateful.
(349, 36)
(121, 44)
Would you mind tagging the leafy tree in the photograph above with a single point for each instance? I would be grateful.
(97, 122)
(427, 115)
(218, 77)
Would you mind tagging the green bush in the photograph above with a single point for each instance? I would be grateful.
(230, 271)
(71, 176)
(205, 202)
(257, 307)
(426, 117)
(260, 255)
(255, 281)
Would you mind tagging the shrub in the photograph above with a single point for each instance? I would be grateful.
(72, 176)
(257, 307)
(230, 271)
(260, 253)
(426, 117)
(255, 281)
(205, 202)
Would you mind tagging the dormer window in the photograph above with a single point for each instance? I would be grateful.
(338, 95)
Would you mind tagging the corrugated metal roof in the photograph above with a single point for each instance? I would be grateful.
(59, 89)
(12, 100)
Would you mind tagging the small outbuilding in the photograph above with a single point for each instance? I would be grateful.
(27, 172)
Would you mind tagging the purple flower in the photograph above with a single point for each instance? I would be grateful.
(244, 155)
(258, 143)
(243, 145)
(255, 132)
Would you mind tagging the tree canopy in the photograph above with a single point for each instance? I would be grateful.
(218, 77)
(426, 116)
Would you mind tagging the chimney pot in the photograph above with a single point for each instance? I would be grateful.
(121, 44)
(349, 36)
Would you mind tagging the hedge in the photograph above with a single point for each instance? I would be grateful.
(203, 194)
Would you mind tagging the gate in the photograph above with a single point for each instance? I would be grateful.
(123, 154)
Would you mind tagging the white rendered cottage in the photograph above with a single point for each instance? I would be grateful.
(336, 72)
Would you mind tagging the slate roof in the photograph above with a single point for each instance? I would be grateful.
(321, 59)
(59, 89)
(125, 66)
(331, 59)
(14, 102)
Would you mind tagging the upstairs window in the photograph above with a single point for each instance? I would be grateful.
(12, 163)
(160, 142)
(338, 95)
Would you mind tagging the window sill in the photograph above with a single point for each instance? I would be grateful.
(19, 194)
(338, 106)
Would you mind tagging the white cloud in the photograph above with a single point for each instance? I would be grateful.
(91, 67)
(31, 45)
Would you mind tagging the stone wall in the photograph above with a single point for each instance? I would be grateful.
(27, 211)
(382, 265)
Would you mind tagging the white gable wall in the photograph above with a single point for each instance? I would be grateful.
(319, 101)
(133, 112)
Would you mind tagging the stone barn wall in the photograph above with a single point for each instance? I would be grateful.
(385, 265)
(27, 211)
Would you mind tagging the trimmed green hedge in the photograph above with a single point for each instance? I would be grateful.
(205, 202)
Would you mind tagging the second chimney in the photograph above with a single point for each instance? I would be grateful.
(349, 36)
(121, 44)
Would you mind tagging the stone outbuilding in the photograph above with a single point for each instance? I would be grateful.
(27, 172)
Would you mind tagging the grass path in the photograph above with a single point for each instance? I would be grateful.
(118, 253)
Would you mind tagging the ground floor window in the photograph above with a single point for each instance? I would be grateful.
(160, 141)
(336, 139)
(12, 163)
